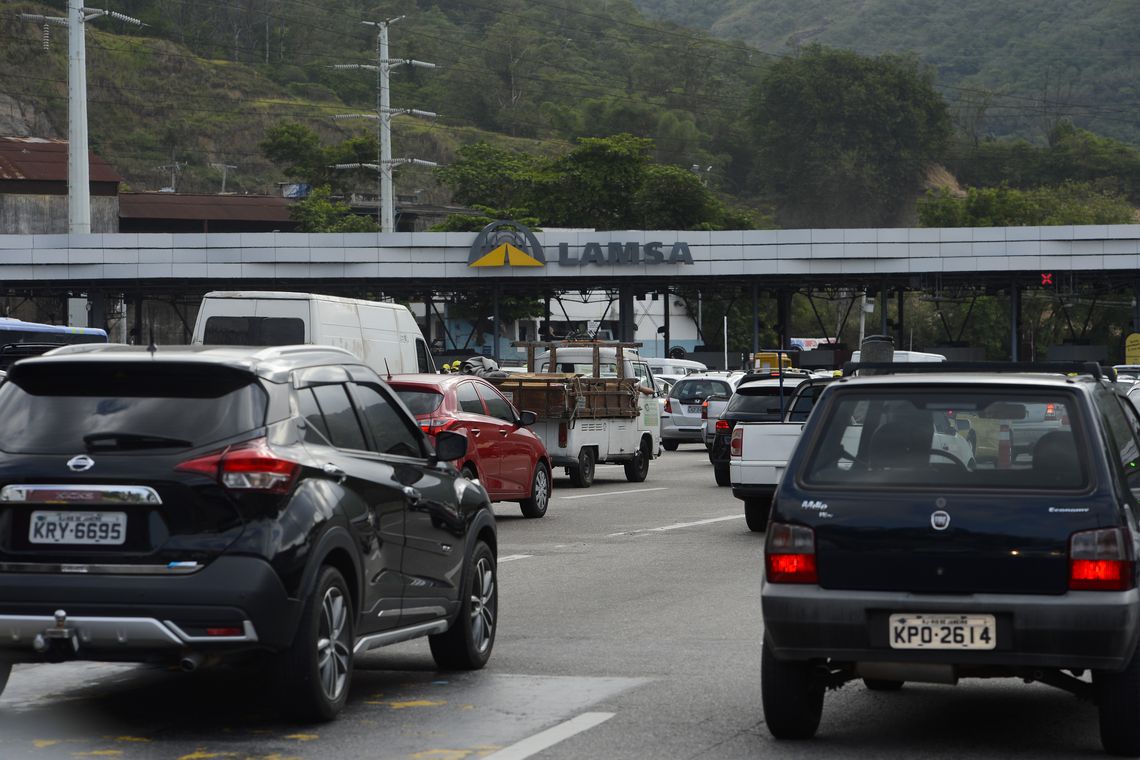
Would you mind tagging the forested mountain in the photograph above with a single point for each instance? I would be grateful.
(1009, 68)
(204, 79)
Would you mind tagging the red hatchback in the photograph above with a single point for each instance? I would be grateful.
(508, 459)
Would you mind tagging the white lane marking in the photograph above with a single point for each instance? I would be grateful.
(611, 493)
(676, 526)
(532, 745)
(510, 557)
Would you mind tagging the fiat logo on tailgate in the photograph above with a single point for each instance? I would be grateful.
(940, 520)
(81, 463)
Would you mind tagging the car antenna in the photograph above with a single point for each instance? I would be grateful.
(388, 368)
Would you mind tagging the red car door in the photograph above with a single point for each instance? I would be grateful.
(484, 437)
(517, 454)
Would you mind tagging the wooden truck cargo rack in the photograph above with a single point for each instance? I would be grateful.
(564, 396)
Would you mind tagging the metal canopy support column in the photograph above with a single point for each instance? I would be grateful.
(625, 313)
(883, 300)
(97, 309)
(137, 337)
(1014, 320)
(900, 329)
(755, 319)
(783, 304)
(665, 317)
(495, 324)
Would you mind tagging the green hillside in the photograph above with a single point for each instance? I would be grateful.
(1031, 61)
(204, 79)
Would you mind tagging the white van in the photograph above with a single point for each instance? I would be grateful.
(383, 335)
(670, 366)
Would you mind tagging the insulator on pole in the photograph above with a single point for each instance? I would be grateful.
(47, 36)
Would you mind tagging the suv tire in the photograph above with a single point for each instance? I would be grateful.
(792, 695)
(467, 644)
(582, 474)
(670, 445)
(316, 670)
(1118, 697)
(721, 472)
(637, 469)
(535, 505)
(756, 514)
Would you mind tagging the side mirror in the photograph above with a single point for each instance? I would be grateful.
(450, 446)
(527, 418)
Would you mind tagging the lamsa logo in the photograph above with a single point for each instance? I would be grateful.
(506, 243)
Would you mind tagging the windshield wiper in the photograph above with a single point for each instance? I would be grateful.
(133, 441)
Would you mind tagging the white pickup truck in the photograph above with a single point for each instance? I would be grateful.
(595, 403)
(759, 452)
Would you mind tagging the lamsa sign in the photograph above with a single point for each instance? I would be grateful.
(507, 243)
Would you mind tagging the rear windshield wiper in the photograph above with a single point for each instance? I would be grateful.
(133, 441)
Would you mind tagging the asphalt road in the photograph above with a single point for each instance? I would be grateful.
(629, 629)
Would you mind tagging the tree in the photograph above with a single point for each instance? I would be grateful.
(594, 184)
(489, 176)
(321, 213)
(1069, 203)
(843, 139)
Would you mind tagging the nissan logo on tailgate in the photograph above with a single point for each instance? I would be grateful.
(940, 520)
(81, 463)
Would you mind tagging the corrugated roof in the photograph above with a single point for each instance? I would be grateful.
(245, 208)
(41, 159)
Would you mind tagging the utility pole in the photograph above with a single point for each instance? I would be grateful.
(224, 169)
(78, 166)
(383, 116)
(174, 167)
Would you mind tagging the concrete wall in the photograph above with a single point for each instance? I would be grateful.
(47, 214)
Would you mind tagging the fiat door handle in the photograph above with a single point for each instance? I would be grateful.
(504, 432)
(476, 432)
(413, 496)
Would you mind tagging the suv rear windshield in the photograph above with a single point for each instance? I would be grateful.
(949, 438)
(764, 399)
(65, 409)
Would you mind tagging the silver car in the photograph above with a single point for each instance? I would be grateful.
(681, 418)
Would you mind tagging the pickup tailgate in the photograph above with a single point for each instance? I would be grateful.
(764, 451)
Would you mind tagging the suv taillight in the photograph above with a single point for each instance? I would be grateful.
(789, 554)
(668, 406)
(1050, 411)
(705, 409)
(249, 466)
(1099, 560)
(722, 426)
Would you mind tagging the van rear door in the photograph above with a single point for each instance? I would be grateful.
(233, 321)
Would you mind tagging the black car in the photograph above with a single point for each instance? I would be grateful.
(277, 507)
(761, 399)
(888, 560)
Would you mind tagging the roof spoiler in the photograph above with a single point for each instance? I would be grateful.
(1080, 368)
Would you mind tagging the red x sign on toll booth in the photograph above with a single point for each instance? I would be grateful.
(1046, 278)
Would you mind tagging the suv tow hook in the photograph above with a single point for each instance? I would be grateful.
(59, 632)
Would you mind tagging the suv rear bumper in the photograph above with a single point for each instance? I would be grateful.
(1081, 629)
(140, 617)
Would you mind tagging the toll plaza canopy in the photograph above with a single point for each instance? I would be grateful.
(520, 259)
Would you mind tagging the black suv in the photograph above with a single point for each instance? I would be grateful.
(278, 506)
(760, 398)
(887, 559)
